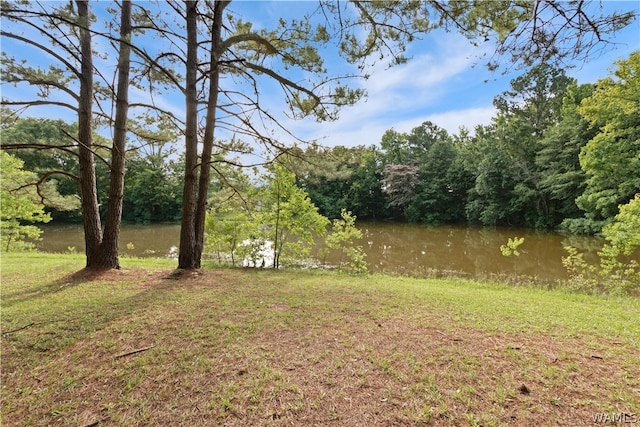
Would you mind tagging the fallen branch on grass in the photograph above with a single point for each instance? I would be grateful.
(18, 329)
(140, 350)
(28, 325)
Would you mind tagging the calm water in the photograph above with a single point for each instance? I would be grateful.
(471, 251)
(148, 240)
(391, 248)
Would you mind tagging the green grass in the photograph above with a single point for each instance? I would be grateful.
(247, 347)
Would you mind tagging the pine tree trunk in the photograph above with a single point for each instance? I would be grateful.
(109, 247)
(88, 186)
(196, 191)
(187, 257)
(209, 132)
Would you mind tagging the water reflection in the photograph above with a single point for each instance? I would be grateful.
(391, 248)
(467, 251)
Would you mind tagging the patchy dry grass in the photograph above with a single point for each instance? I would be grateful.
(238, 348)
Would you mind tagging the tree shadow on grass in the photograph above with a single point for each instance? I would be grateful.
(60, 322)
(36, 291)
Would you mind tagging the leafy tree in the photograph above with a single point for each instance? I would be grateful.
(365, 197)
(47, 149)
(423, 137)
(619, 270)
(325, 175)
(562, 179)
(611, 159)
(400, 184)
(536, 99)
(434, 201)
(508, 187)
(231, 231)
(342, 238)
(341, 178)
(292, 219)
(233, 228)
(490, 200)
(152, 191)
(404, 154)
(623, 240)
(39, 133)
(427, 187)
(529, 109)
(22, 203)
(396, 148)
(460, 176)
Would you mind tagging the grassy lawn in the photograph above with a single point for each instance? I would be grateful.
(253, 348)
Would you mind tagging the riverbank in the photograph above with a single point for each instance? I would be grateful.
(247, 347)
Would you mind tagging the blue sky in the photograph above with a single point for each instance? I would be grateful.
(445, 82)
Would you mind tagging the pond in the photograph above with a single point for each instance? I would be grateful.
(391, 248)
(468, 251)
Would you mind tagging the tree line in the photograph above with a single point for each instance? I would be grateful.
(557, 154)
(186, 48)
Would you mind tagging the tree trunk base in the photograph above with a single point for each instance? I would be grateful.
(183, 273)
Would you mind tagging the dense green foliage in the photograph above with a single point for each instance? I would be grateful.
(562, 179)
(623, 239)
(18, 203)
(153, 190)
(279, 223)
(60, 164)
(618, 271)
(22, 204)
(611, 158)
(342, 238)
(290, 217)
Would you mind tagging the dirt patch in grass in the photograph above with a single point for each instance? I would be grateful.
(239, 348)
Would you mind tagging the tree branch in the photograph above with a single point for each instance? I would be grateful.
(64, 148)
(26, 40)
(282, 80)
(40, 102)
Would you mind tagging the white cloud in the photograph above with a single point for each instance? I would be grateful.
(369, 132)
(402, 97)
(469, 118)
